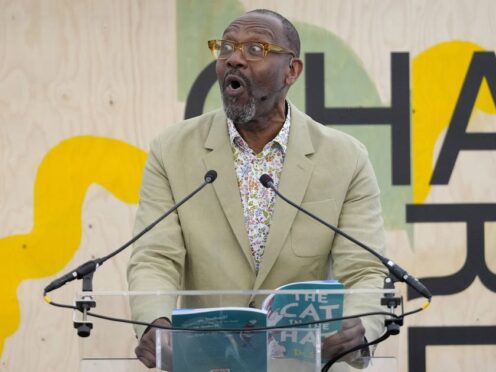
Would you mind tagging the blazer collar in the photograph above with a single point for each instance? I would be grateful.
(294, 180)
(226, 185)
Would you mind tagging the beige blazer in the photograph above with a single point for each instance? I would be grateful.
(205, 244)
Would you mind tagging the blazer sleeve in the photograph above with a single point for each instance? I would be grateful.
(361, 217)
(157, 259)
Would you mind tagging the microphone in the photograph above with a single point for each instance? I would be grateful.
(397, 271)
(90, 266)
(210, 176)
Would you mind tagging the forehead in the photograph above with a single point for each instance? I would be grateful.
(254, 25)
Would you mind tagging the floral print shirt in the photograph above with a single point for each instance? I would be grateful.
(258, 201)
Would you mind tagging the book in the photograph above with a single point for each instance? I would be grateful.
(289, 309)
(222, 351)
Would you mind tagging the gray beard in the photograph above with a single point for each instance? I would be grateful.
(239, 114)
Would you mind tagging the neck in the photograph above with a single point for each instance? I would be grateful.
(263, 129)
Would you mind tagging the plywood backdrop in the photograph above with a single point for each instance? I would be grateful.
(86, 85)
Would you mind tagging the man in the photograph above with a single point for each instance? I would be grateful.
(236, 235)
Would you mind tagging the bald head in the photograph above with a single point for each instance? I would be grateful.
(287, 35)
(291, 34)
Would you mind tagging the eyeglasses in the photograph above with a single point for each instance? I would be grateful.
(252, 50)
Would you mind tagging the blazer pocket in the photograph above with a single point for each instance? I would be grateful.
(308, 236)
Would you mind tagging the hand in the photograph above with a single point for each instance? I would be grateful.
(351, 334)
(145, 351)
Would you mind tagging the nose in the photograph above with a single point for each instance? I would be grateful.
(236, 59)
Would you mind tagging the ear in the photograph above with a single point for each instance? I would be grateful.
(295, 69)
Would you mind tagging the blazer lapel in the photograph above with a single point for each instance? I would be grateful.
(226, 185)
(295, 176)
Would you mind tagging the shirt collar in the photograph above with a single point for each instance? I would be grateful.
(281, 138)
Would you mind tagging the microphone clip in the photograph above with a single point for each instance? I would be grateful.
(391, 301)
(84, 304)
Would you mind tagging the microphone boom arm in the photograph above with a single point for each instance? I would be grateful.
(396, 271)
(89, 267)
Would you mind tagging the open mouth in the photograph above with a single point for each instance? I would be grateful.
(234, 85)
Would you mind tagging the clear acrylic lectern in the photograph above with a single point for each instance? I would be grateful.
(220, 331)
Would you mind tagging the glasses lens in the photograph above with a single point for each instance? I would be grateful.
(253, 51)
(225, 49)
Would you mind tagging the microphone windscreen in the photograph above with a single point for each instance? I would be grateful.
(210, 176)
(266, 180)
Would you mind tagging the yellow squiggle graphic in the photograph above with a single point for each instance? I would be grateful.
(63, 177)
(437, 77)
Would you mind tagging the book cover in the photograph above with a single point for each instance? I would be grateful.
(288, 309)
(238, 351)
